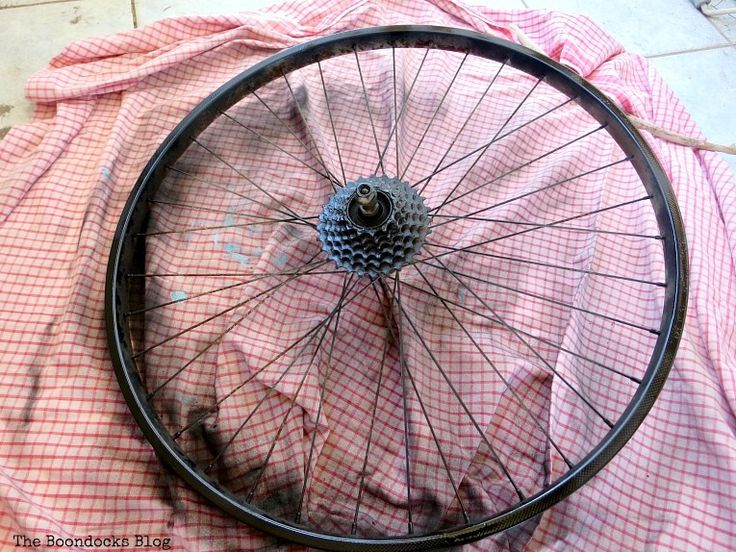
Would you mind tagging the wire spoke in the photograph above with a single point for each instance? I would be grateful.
(449, 200)
(526, 333)
(402, 314)
(485, 146)
(396, 109)
(220, 227)
(323, 387)
(501, 377)
(401, 113)
(321, 161)
(434, 115)
(333, 180)
(222, 274)
(526, 343)
(223, 211)
(211, 318)
(332, 122)
(296, 272)
(289, 212)
(427, 180)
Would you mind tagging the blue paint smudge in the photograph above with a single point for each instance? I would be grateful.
(244, 260)
(178, 295)
(461, 296)
(231, 248)
(229, 220)
(216, 239)
(105, 173)
(281, 260)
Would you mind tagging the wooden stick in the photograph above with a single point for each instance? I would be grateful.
(677, 138)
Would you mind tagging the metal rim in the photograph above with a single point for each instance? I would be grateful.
(643, 160)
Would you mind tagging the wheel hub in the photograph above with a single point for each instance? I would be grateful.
(373, 226)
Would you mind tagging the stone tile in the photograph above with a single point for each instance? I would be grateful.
(705, 82)
(32, 35)
(148, 11)
(645, 28)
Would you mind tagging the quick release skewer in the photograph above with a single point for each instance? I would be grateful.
(368, 200)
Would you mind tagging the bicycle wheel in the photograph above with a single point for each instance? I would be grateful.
(396, 288)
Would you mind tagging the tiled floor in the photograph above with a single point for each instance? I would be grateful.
(695, 54)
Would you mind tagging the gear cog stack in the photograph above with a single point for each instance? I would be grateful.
(373, 226)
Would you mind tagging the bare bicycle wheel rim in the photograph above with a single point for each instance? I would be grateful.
(133, 218)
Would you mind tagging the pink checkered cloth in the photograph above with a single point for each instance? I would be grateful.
(72, 461)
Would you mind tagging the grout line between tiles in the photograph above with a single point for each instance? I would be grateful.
(134, 13)
(692, 50)
(37, 4)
